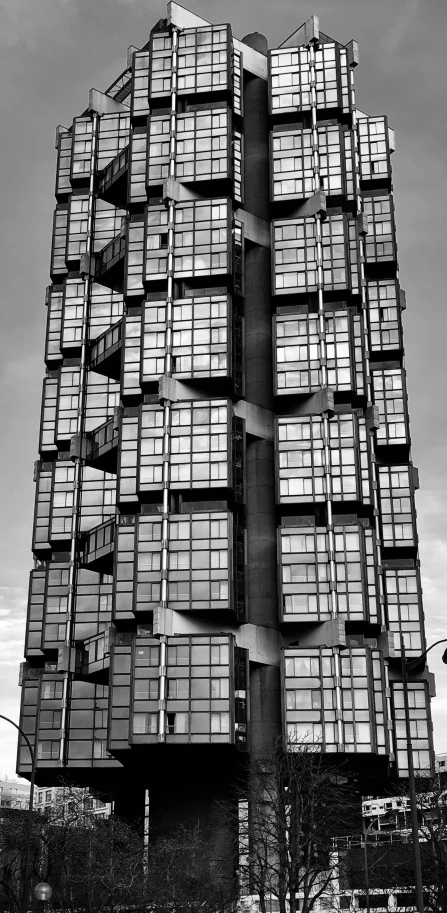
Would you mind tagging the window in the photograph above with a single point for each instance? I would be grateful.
(50, 719)
(220, 722)
(147, 656)
(47, 751)
(220, 688)
(52, 690)
(146, 689)
(145, 723)
(219, 655)
(177, 689)
(176, 723)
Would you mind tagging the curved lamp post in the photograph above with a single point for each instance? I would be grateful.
(29, 831)
(412, 666)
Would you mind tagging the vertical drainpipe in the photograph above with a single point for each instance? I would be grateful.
(167, 411)
(324, 381)
(261, 566)
(365, 319)
(77, 485)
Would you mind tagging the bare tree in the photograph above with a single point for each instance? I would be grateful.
(292, 805)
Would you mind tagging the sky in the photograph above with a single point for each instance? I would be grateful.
(51, 53)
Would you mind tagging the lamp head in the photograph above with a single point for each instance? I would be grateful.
(444, 657)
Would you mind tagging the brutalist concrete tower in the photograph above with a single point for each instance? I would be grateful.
(225, 542)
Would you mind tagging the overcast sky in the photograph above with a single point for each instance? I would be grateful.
(52, 53)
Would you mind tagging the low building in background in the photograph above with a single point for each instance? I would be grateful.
(14, 793)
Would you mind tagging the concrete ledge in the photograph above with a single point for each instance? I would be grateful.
(103, 104)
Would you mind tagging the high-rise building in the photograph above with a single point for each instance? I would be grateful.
(225, 540)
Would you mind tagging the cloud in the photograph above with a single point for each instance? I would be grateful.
(396, 34)
(24, 21)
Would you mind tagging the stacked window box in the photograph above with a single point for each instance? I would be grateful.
(292, 158)
(385, 316)
(404, 608)
(390, 395)
(290, 79)
(359, 724)
(206, 338)
(203, 691)
(304, 559)
(295, 255)
(381, 251)
(298, 358)
(205, 565)
(374, 151)
(63, 183)
(420, 726)
(397, 511)
(301, 462)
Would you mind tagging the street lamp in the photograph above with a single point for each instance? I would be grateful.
(29, 831)
(411, 666)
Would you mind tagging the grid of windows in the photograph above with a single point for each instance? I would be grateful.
(290, 79)
(374, 154)
(297, 352)
(160, 66)
(54, 323)
(158, 149)
(305, 573)
(135, 258)
(295, 255)
(81, 148)
(48, 415)
(292, 163)
(201, 337)
(311, 710)
(198, 694)
(200, 445)
(63, 184)
(404, 609)
(77, 228)
(156, 243)
(380, 244)
(58, 268)
(203, 145)
(397, 506)
(128, 459)
(108, 223)
(204, 60)
(87, 719)
(153, 340)
(130, 378)
(42, 505)
(113, 136)
(420, 727)
(140, 81)
(137, 167)
(305, 583)
(384, 315)
(200, 562)
(151, 449)
(202, 238)
(391, 398)
(301, 458)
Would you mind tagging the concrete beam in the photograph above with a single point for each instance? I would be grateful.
(173, 190)
(252, 61)
(174, 390)
(255, 229)
(103, 104)
(316, 403)
(259, 422)
(331, 633)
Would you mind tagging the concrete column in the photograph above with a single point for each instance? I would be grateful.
(261, 573)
